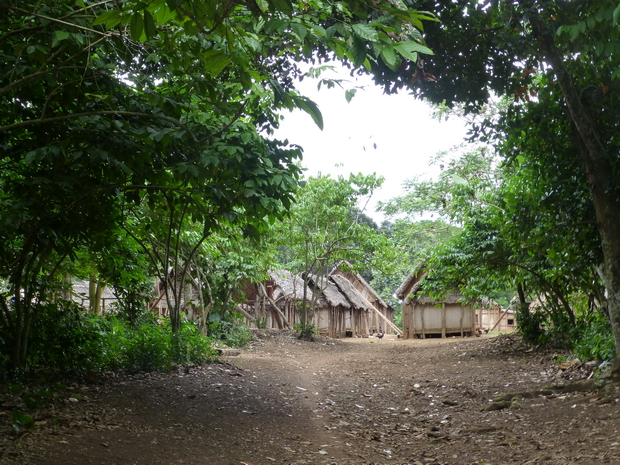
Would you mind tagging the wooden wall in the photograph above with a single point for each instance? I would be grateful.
(424, 319)
(338, 322)
(487, 318)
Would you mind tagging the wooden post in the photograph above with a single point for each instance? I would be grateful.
(462, 318)
(412, 318)
(275, 306)
(443, 320)
(422, 318)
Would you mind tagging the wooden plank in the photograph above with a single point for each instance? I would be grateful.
(412, 327)
(392, 325)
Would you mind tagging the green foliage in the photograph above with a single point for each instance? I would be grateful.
(151, 346)
(66, 343)
(20, 420)
(531, 325)
(595, 341)
(229, 330)
(307, 332)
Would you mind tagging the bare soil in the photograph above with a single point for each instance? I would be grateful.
(354, 401)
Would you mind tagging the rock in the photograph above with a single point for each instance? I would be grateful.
(499, 405)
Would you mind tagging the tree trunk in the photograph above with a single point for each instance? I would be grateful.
(599, 168)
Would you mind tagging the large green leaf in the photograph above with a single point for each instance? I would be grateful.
(410, 47)
(390, 57)
(309, 107)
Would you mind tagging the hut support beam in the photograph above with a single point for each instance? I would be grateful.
(500, 319)
(443, 320)
(392, 325)
(275, 307)
(247, 315)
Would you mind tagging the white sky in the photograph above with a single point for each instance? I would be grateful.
(405, 135)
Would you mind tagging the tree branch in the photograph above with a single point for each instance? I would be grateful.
(34, 122)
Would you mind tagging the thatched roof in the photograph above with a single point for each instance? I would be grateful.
(361, 279)
(335, 291)
(288, 285)
(453, 297)
(330, 291)
(409, 291)
(485, 302)
(410, 285)
(80, 290)
(352, 294)
(285, 286)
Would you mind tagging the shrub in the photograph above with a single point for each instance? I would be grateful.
(595, 341)
(152, 346)
(229, 331)
(65, 343)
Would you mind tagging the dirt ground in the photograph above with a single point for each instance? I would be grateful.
(354, 401)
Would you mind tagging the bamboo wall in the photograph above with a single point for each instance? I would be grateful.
(421, 320)
(487, 318)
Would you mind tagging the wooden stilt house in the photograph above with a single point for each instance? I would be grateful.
(382, 314)
(341, 310)
(424, 317)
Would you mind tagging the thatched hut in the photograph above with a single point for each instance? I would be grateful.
(342, 311)
(81, 293)
(382, 314)
(274, 302)
(423, 317)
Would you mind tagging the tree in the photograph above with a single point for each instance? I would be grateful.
(107, 101)
(513, 232)
(323, 229)
(558, 61)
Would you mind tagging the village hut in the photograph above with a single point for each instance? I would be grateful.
(382, 314)
(491, 317)
(81, 294)
(343, 311)
(424, 317)
(340, 309)
(273, 303)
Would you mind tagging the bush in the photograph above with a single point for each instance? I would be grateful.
(153, 347)
(65, 343)
(229, 331)
(595, 342)
(530, 324)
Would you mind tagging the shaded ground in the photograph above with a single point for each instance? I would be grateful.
(361, 401)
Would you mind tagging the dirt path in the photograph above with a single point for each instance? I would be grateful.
(358, 401)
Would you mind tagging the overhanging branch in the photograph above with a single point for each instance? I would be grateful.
(35, 122)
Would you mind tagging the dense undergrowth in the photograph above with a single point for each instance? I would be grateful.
(589, 337)
(66, 343)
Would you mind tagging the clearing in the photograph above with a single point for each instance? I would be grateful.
(354, 401)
